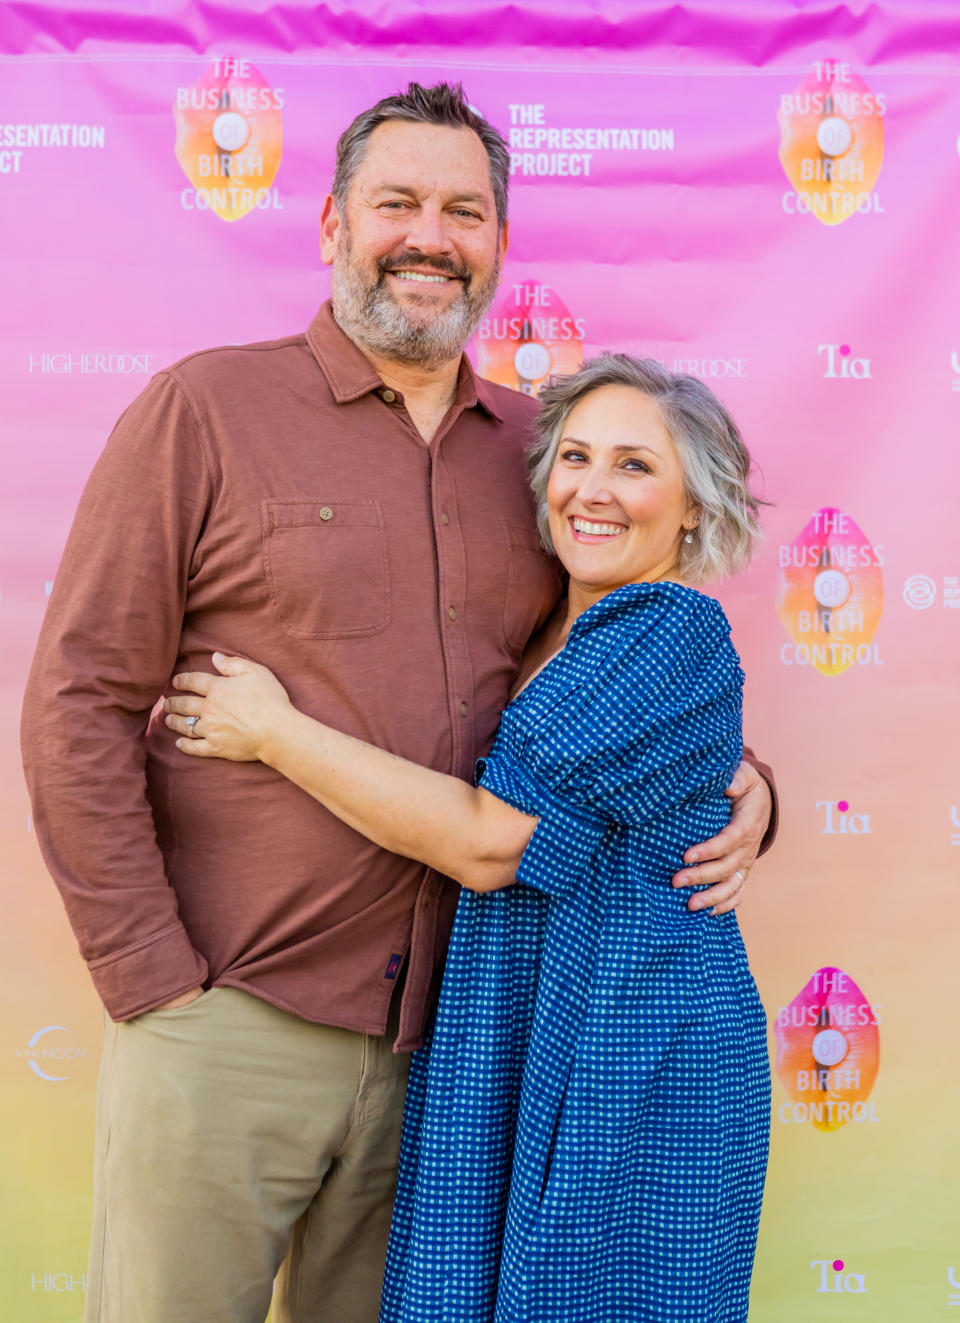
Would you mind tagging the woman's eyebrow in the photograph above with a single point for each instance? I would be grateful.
(573, 441)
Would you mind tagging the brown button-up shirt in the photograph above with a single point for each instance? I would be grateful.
(276, 501)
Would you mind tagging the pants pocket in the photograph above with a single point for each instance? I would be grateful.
(177, 1012)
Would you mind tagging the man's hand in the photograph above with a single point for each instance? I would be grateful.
(184, 999)
(726, 859)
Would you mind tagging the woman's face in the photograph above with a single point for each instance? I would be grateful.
(616, 501)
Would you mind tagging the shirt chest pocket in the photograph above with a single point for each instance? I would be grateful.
(326, 566)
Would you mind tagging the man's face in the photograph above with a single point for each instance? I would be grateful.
(416, 258)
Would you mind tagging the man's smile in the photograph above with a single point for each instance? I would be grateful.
(422, 276)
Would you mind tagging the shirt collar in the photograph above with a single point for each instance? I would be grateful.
(473, 390)
(350, 374)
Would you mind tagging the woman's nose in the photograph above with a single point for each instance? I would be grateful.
(595, 486)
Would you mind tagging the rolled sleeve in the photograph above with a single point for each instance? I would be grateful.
(565, 840)
(126, 981)
(766, 772)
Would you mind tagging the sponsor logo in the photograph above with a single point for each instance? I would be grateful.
(15, 139)
(839, 821)
(230, 140)
(832, 1277)
(44, 1055)
(91, 364)
(839, 363)
(528, 335)
(711, 369)
(830, 595)
(58, 1282)
(828, 1053)
(831, 144)
(920, 592)
(538, 149)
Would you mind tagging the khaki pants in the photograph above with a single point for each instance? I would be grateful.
(236, 1142)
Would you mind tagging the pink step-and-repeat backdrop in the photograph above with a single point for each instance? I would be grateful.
(764, 193)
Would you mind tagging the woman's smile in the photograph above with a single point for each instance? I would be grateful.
(589, 530)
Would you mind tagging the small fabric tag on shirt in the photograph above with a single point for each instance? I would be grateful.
(393, 965)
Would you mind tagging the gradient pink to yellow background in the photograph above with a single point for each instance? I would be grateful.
(660, 205)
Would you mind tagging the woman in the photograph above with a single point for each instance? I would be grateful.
(586, 1128)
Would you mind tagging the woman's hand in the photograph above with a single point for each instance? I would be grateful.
(236, 713)
(458, 829)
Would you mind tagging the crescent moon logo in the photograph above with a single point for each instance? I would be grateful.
(51, 1028)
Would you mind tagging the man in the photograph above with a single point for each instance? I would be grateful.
(350, 508)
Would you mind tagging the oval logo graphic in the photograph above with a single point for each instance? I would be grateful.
(230, 138)
(831, 143)
(527, 335)
(830, 593)
(828, 1050)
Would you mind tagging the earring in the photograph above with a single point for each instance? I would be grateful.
(688, 538)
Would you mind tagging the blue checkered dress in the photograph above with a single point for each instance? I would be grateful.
(586, 1130)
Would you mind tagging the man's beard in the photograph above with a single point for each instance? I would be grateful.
(369, 315)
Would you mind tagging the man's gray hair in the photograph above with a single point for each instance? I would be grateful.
(714, 461)
(444, 104)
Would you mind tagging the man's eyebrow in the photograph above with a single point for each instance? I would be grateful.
(409, 192)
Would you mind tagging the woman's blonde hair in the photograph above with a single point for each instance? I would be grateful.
(714, 460)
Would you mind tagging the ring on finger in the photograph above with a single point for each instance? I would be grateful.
(191, 723)
(738, 874)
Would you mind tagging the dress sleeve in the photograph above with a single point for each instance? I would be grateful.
(645, 717)
(565, 839)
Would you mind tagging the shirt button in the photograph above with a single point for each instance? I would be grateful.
(326, 512)
(389, 396)
(463, 709)
(444, 519)
(452, 613)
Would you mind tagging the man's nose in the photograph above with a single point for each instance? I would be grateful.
(427, 231)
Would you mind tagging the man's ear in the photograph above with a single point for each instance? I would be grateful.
(503, 243)
(329, 229)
